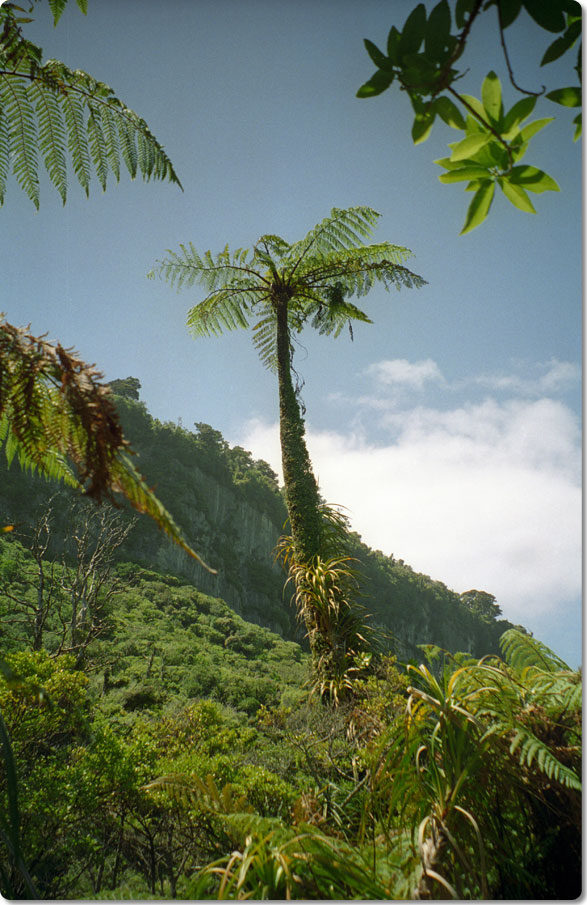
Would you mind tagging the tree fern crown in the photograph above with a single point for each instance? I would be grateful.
(315, 277)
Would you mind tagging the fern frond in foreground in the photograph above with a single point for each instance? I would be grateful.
(58, 419)
(65, 116)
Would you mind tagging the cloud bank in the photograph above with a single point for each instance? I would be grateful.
(483, 495)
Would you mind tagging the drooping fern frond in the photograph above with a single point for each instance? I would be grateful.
(57, 418)
(69, 116)
(529, 749)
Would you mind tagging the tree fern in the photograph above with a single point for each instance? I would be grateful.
(58, 419)
(71, 115)
(279, 288)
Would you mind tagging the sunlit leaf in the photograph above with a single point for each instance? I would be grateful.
(491, 96)
(568, 97)
(469, 146)
(376, 84)
(534, 127)
(449, 112)
(479, 207)
(422, 127)
(517, 114)
(517, 196)
(464, 174)
(474, 103)
(533, 179)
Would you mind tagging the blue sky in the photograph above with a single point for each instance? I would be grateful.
(451, 428)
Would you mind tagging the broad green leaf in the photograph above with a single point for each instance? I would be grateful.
(560, 45)
(463, 174)
(474, 103)
(437, 31)
(462, 10)
(413, 32)
(509, 11)
(568, 97)
(449, 112)
(533, 179)
(448, 164)
(469, 146)
(419, 72)
(377, 56)
(482, 158)
(532, 128)
(517, 114)
(491, 96)
(376, 84)
(393, 40)
(517, 196)
(472, 125)
(479, 207)
(547, 13)
(578, 121)
(422, 127)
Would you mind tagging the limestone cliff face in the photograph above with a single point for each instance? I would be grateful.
(233, 515)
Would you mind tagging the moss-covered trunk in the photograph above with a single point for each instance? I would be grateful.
(301, 490)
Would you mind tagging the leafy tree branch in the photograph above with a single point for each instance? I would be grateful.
(421, 59)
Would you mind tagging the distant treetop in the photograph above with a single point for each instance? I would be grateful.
(128, 387)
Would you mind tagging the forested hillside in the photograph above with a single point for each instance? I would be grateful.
(231, 509)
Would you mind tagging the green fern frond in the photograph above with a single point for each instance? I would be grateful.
(77, 139)
(73, 111)
(265, 341)
(58, 419)
(57, 7)
(4, 153)
(98, 148)
(110, 134)
(341, 231)
(522, 651)
(51, 137)
(531, 749)
(16, 106)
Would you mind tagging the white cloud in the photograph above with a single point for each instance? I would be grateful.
(399, 371)
(484, 496)
(556, 376)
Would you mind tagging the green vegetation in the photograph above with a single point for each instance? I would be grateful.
(182, 758)
(154, 744)
(422, 59)
(233, 505)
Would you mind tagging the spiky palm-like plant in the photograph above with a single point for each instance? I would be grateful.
(278, 288)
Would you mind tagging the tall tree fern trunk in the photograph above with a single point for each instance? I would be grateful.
(301, 489)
